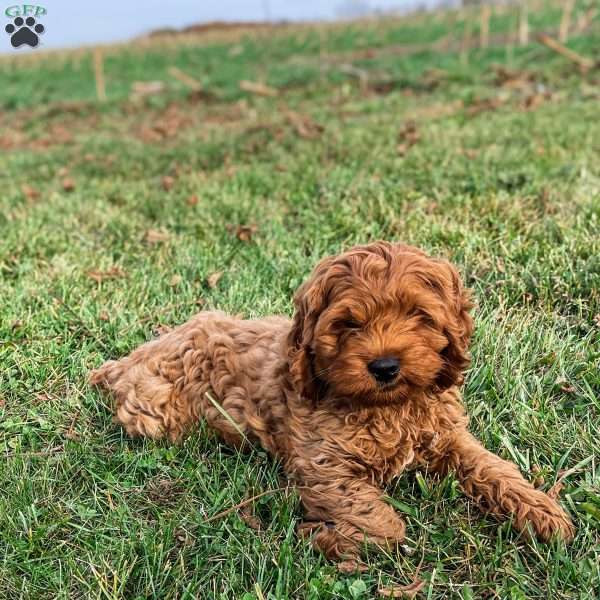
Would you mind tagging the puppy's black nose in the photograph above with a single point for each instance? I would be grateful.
(384, 369)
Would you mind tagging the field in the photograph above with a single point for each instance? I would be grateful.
(121, 217)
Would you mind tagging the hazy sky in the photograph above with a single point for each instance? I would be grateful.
(70, 23)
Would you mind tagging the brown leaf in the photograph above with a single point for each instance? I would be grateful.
(168, 182)
(175, 280)
(304, 125)
(349, 567)
(112, 273)
(597, 319)
(213, 279)
(250, 519)
(565, 386)
(408, 136)
(29, 192)
(532, 101)
(192, 200)
(243, 233)
(260, 89)
(402, 591)
(484, 105)
(104, 316)
(513, 79)
(156, 236)
(68, 184)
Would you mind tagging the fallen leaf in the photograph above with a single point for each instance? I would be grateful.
(243, 233)
(250, 519)
(408, 136)
(304, 125)
(483, 105)
(68, 184)
(532, 101)
(402, 591)
(112, 273)
(260, 89)
(175, 280)
(513, 79)
(104, 316)
(192, 200)
(156, 236)
(597, 319)
(16, 324)
(168, 182)
(213, 279)
(351, 566)
(30, 192)
(565, 386)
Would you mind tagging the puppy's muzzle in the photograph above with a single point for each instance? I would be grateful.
(384, 369)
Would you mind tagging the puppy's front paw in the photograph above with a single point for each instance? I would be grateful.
(549, 520)
(330, 539)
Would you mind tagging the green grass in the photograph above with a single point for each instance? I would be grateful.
(511, 195)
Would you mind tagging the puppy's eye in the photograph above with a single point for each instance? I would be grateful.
(349, 324)
(425, 318)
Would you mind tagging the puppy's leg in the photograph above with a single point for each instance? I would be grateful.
(499, 486)
(166, 385)
(346, 512)
(147, 402)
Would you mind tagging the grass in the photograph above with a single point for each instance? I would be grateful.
(163, 193)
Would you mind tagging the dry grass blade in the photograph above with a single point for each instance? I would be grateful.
(227, 416)
(583, 62)
(244, 503)
(184, 78)
(260, 89)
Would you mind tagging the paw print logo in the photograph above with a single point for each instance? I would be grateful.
(24, 31)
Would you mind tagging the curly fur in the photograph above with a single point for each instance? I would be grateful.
(302, 390)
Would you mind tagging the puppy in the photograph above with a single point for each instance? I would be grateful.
(362, 384)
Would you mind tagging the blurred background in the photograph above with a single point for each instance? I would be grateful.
(203, 155)
(71, 24)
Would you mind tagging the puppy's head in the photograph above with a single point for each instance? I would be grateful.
(378, 324)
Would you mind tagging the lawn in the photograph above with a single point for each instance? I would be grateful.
(123, 217)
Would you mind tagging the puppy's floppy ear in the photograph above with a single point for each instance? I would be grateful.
(458, 328)
(309, 302)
